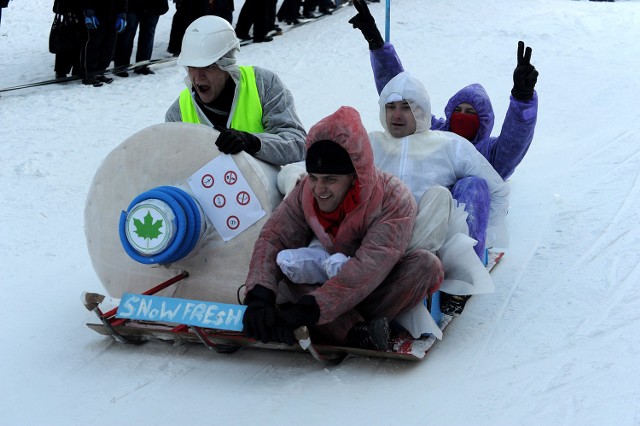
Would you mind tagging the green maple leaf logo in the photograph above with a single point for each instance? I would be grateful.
(148, 229)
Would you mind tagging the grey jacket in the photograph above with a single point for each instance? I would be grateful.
(284, 136)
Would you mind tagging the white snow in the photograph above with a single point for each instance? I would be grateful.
(556, 344)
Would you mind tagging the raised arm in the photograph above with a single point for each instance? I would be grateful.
(385, 62)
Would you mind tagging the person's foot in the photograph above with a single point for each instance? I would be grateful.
(61, 75)
(243, 37)
(326, 11)
(310, 15)
(263, 39)
(91, 81)
(121, 74)
(452, 304)
(374, 335)
(144, 71)
(104, 79)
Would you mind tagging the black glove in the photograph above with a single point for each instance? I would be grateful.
(365, 23)
(305, 312)
(231, 141)
(525, 75)
(260, 316)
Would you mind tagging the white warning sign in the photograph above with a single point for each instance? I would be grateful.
(226, 197)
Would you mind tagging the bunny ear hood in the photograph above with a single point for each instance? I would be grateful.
(405, 86)
(476, 96)
(345, 128)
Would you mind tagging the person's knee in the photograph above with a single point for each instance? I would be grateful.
(436, 196)
(470, 187)
(430, 269)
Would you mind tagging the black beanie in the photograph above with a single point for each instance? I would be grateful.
(328, 158)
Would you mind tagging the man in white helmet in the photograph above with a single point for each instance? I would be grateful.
(250, 106)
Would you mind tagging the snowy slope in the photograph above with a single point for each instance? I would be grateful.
(556, 344)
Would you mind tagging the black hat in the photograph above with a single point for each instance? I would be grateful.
(329, 158)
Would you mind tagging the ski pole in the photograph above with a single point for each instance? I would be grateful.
(387, 25)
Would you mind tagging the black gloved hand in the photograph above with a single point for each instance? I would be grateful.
(525, 75)
(231, 141)
(260, 316)
(364, 22)
(305, 312)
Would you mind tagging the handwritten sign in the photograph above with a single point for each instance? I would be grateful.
(221, 316)
(226, 197)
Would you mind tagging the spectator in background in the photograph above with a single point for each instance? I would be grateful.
(103, 19)
(187, 11)
(288, 12)
(254, 13)
(223, 9)
(144, 14)
(68, 39)
(3, 4)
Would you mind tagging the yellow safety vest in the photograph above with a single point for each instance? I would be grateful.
(247, 115)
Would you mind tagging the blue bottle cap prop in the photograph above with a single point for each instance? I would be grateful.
(150, 227)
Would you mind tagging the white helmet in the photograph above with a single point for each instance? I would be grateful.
(206, 40)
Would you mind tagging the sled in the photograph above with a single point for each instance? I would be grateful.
(145, 317)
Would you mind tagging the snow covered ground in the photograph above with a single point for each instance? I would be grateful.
(558, 342)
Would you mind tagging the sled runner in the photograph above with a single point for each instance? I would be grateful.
(140, 318)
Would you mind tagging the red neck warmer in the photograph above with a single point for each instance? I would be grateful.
(331, 221)
(465, 125)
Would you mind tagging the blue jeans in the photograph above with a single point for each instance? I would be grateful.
(124, 43)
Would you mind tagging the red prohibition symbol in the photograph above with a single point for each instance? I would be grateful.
(230, 177)
(207, 181)
(219, 200)
(243, 198)
(233, 222)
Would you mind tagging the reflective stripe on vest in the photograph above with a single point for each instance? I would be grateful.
(247, 115)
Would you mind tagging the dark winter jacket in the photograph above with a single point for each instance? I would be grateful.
(375, 234)
(105, 8)
(504, 152)
(68, 6)
(148, 7)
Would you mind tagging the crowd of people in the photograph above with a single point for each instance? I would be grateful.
(359, 245)
(87, 35)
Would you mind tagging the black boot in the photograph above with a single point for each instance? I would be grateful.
(91, 81)
(104, 79)
(262, 39)
(143, 71)
(451, 304)
(374, 335)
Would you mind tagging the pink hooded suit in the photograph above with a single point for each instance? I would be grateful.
(380, 279)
